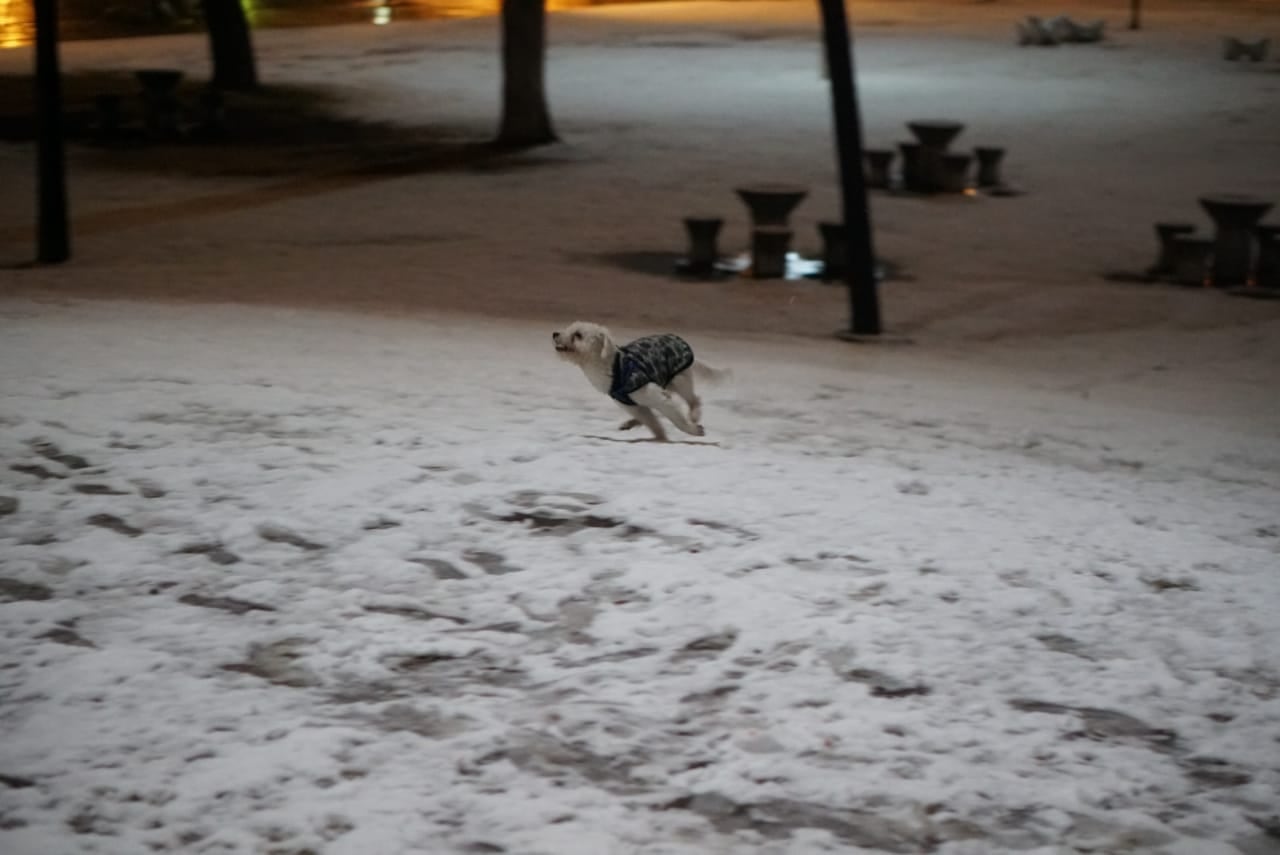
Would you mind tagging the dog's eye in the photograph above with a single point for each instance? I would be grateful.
(577, 336)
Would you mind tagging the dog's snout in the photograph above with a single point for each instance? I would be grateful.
(555, 336)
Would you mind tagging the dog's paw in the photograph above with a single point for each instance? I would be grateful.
(629, 424)
(699, 430)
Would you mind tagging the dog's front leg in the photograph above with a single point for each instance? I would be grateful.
(655, 397)
(629, 424)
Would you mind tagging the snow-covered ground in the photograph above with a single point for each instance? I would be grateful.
(277, 576)
(287, 581)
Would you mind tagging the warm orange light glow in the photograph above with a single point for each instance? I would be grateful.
(17, 25)
(384, 12)
(11, 28)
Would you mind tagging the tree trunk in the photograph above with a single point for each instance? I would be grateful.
(1135, 14)
(860, 270)
(230, 45)
(52, 232)
(526, 121)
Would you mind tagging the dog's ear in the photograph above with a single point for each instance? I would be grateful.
(603, 345)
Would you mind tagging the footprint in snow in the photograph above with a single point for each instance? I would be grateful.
(281, 534)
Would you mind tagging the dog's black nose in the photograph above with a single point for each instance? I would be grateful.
(554, 336)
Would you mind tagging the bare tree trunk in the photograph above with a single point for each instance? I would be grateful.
(526, 121)
(52, 231)
(229, 43)
(860, 271)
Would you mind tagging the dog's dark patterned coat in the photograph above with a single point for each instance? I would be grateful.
(652, 359)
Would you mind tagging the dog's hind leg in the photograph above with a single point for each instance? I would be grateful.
(644, 416)
(654, 397)
(682, 385)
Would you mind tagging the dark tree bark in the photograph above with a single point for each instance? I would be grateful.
(526, 121)
(234, 66)
(53, 240)
(860, 271)
(1135, 14)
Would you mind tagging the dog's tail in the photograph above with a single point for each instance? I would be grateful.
(703, 371)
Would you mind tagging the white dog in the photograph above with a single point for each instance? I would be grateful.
(638, 375)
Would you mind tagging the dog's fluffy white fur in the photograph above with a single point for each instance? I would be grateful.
(591, 347)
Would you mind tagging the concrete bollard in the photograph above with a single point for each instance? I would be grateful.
(769, 248)
(933, 135)
(1189, 260)
(160, 100)
(1234, 217)
(879, 163)
(989, 159)
(771, 204)
(911, 179)
(954, 173)
(1165, 234)
(109, 117)
(703, 253)
(1266, 273)
(835, 251)
(1235, 49)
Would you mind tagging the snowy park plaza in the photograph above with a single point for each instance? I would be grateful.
(310, 545)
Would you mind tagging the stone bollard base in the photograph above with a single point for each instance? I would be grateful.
(879, 163)
(989, 158)
(703, 253)
(769, 248)
(954, 173)
(1266, 274)
(1165, 234)
(1189, 260)
(835, 251)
